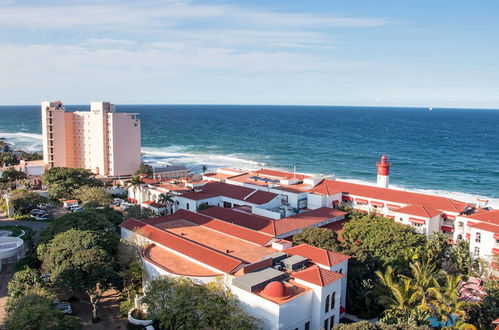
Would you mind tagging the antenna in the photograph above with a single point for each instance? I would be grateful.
(294, 171)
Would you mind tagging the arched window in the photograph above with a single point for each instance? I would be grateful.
(341, 271)
(459, 237)
(333, 300)
(327, 304)
(478, 237)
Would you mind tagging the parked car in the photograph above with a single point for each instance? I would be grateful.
(125, 205)
(76, 208)
(44, 206)
(45, 216)
(64, 307)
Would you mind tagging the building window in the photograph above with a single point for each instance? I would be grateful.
(327, 304)
(326, 324)
(478, 237)
(341, 271)
(332, 322)
(333, 300)
(187, 205)
(460, 224)
(477, 251)
(307, 325)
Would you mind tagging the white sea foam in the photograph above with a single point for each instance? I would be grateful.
(26, 141)
(180, 155)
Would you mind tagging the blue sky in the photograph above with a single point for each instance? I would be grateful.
(393, 53)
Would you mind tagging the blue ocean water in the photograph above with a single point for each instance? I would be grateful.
(446, 151)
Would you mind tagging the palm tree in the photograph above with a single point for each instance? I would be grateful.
(447, 305)
(165, 199)
(425, 279)
(134, 183)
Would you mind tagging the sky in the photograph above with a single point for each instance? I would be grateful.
(374, 53)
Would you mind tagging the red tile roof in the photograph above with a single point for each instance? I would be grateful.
(419, 211)
(270, 226)
(317, 255)
(392, 195)
(317, 275)
(239, 192)
(280, 174)
(252, 221)
(154, 204)
(204, 254)
(491, 216)
(218, 225)
(197, 195)
(485, 226)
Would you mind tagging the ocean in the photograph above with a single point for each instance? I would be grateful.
(450, 152)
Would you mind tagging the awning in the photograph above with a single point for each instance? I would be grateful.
(447, 229)
(347, 198)
(342, 309)
(378, 204)
(495, 251)
(414, 220)
(393, 206)
(468, 236)
(361, 201)
(496, 236)
(450, 217)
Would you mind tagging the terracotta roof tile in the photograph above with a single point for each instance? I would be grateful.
(238, 192)
(392, 195)
(418, 210)
(485, 226)
(317, 255)
(204, 254)
(317, 275)
(491, 216)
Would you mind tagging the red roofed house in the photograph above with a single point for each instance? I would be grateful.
(286, 288)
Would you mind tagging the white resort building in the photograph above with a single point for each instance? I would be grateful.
(300, 287)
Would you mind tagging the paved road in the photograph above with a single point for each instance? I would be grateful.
(37, 226)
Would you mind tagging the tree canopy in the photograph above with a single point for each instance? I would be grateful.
(319, 237)
(179, 303)
(64, 181)
(80, 260)
(93, 196)
(36, 312)
(23, 201)
(11, 174)
(145, 169)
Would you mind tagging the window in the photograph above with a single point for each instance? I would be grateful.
(460, 224)
(327, 304)
(326, 324)
(187, 205)
(477, 251)
(307, 325)
(478, 237)
(333, 300)
(341, 271)
(332, 322)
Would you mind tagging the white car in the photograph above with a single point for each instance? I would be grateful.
(45, 216)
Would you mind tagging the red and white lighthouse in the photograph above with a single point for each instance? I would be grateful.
(383, 172)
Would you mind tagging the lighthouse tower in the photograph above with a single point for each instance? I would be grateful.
(383, 172)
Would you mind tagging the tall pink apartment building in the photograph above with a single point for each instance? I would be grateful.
(101, 140)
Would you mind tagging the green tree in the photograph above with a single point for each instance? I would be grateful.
(138, 212)
(105, 221)
(22, 281)
(144, 169)
(35, 312)
(487, 311)
(8, 159)
(446, 304)
(93, 196)
(365, 325)
(460, 260)
(11, 174)
(135, 183)
(165, 199)
(81, 261)
(320, 237)
(437, 249)
(179, 303)
(62, 182)
(23, 201)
